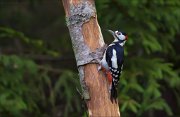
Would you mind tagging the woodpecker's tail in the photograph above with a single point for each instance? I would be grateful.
(113, 93)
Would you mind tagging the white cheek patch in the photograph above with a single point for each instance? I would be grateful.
(121, 37)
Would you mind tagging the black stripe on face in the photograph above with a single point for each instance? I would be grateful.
(119, 39)
(124, 33)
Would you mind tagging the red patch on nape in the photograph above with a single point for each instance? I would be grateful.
(126, 37)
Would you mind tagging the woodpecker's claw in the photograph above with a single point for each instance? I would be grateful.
(99, 68)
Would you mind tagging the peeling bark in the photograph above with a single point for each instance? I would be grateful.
(88, 46)
(80, 14)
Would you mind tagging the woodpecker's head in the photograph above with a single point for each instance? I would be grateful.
(120, 36)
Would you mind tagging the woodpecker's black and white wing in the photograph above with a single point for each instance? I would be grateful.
(114, 58)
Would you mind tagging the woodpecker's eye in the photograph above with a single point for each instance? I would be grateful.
(119, 33)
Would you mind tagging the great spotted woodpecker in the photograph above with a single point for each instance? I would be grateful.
(112, 62)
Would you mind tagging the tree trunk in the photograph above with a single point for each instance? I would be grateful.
(88, 46)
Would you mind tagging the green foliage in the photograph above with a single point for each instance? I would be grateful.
(38, 77)
(14, 93)
(151, 26)
(22, 89)
(33, 44)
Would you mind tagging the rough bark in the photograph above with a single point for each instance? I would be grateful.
(88, 45)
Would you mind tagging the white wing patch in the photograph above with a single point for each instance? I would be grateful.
(111, 44)
(114, 60)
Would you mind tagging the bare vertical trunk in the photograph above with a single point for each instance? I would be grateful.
(87, 43)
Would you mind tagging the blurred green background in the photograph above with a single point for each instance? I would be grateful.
(38, 75)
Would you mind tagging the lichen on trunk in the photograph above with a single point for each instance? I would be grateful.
(79, 15)
(88, 46)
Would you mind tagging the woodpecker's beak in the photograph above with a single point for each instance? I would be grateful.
(110, 31)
